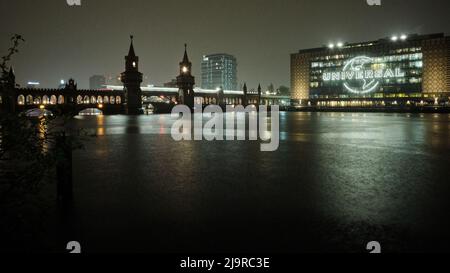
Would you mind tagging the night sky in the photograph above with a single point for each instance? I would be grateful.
(78, 42)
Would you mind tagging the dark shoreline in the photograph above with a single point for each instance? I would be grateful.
(418, 110)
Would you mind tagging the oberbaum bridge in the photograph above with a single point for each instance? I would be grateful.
(130, 98)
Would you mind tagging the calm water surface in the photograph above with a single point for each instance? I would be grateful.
(338, 181)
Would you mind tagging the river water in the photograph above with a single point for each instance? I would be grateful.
(337, 181)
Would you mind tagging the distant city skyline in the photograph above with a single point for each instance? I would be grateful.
(65, 42)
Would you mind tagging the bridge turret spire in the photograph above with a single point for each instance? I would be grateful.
(132, 80)
(11, 71)
(245, 100)
(185, 65)
(185, 81)
(259, 94)
(131, 52)
(185, 58)
(71, 85)
(11, 77)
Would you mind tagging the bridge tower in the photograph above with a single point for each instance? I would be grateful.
(221, 97)
(8, 86)
(245, 99)
(186, 82)
(259, 94)
(132, 80)
(71, 86)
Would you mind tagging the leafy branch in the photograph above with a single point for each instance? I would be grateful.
(14, 49)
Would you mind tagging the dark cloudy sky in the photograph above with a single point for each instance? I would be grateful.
(65, 42)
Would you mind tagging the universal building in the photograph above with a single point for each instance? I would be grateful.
(219, 71)
(398, 70)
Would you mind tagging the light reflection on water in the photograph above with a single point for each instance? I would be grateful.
(332, 172)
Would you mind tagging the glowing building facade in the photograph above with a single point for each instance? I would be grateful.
(397, 70)
(219, 71)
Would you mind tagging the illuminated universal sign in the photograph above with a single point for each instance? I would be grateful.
(359, 77)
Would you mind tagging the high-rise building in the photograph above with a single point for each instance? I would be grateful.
(97, 82)
(402, 69)
(113, 79)
(219, 71)
(172, 84)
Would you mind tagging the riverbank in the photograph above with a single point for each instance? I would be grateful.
(425, 109)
